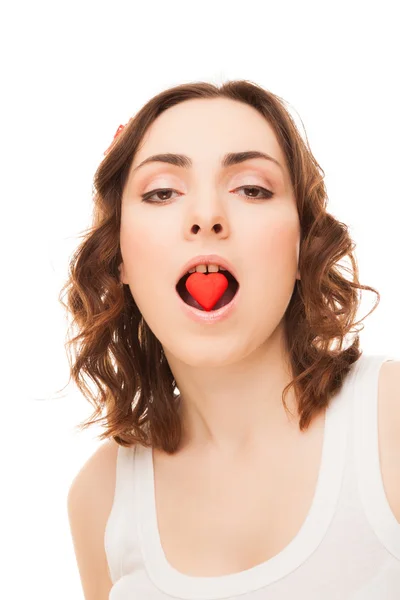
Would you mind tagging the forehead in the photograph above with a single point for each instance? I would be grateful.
(205, 129)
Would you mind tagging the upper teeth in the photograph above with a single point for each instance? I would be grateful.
(203, 269)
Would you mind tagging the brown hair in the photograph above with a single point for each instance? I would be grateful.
(117, 350)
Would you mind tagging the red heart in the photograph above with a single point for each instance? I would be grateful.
(206, 289)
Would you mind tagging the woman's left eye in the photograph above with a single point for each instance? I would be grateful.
(266, 194)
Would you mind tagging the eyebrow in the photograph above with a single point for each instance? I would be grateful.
(228, 160)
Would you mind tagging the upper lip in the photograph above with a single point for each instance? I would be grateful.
(207, 259)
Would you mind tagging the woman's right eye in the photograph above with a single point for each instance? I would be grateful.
(161, 191)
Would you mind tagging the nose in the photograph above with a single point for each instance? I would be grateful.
(196, 228)
(207, 224)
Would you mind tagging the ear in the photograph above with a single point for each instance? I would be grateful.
(122, 274)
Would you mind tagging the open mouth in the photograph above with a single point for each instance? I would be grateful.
(227, 296)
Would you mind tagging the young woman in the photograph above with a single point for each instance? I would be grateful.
(252, 450)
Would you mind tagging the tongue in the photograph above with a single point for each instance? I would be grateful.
(206, 290)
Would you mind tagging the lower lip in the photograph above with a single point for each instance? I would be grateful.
(209, 317)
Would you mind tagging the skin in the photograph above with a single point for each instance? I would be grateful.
(231, 374)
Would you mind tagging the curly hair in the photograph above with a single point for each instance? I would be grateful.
(116, 349)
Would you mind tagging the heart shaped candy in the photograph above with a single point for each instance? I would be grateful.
(206, 289)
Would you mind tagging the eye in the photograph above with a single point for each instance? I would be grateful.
(266, 194)
(147, 197)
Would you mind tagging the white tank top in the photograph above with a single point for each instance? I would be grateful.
(347, 548)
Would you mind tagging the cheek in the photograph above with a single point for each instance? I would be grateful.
(275, 248)
(144, 245)
(279, 233)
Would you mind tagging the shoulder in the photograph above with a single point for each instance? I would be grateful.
(389, 432)
(101, 463)
(89, 504)
(95, 481)
(389, 393)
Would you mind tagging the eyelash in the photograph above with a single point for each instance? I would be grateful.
(146, 197)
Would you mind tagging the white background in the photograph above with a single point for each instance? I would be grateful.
(72, 72)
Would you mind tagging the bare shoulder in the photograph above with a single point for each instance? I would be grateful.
(389, 432)
(389, 395)
(89, 503)
(102, 462)
(95, 481)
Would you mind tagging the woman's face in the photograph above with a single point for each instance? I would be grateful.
(259, 236)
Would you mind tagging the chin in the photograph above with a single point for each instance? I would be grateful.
(207, 354)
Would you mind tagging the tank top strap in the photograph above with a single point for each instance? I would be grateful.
(119, 535)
